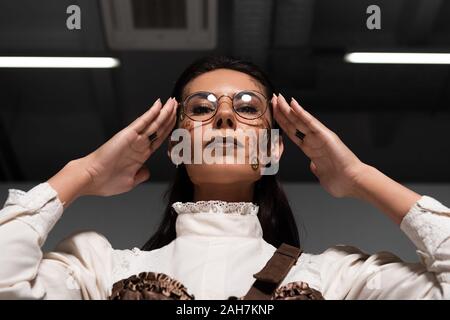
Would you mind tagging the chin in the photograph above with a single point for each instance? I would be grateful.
(222, 173)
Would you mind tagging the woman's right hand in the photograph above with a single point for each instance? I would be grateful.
(118, 165)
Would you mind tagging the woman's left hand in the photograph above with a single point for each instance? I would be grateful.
(332, 162)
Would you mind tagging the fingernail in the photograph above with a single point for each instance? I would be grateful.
(158, 101)
(155, 103)
(293, 99)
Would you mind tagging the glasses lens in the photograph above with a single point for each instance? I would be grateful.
(200, 106)
(250, 105)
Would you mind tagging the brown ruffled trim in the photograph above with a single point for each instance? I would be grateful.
(298, 290)
(159, 286)
(150, 286)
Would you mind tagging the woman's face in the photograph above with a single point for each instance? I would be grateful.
(224, 82)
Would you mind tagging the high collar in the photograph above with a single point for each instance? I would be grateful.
(216, 218)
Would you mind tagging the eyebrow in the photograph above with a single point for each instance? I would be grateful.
(222, 93)
(262, 89)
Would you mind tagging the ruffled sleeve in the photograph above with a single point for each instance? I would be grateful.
(348, 273)
(79, 268)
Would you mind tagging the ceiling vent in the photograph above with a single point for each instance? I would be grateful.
(160, 24)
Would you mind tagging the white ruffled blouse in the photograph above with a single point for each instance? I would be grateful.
(218, 248)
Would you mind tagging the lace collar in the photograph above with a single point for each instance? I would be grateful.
(216, 206)
(215, 218)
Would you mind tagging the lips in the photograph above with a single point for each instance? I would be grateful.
(216, 141)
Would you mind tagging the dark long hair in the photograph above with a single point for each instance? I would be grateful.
(275, 214)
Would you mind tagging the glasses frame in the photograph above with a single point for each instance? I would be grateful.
(183, 104)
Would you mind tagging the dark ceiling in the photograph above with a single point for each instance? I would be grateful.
(396, 117)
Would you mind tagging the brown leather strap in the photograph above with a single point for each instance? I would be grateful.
(273, 273)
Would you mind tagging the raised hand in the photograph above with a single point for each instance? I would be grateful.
(118, 165)
(335, 165)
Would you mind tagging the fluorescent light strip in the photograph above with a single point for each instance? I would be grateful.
(58, 62)
(397, 57)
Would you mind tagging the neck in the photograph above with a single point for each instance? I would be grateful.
(232, 192)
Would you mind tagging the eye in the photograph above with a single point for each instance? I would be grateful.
(201, 109)
(247, 109)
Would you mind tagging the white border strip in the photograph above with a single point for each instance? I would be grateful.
(397, 57)
(58, 62)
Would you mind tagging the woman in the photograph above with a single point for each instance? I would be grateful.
(223, 222)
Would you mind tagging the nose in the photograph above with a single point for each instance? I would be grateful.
(225, 116)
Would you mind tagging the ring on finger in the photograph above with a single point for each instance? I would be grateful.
(153, 137)
(299, 134)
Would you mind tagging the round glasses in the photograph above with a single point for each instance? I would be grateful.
(203, 105)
